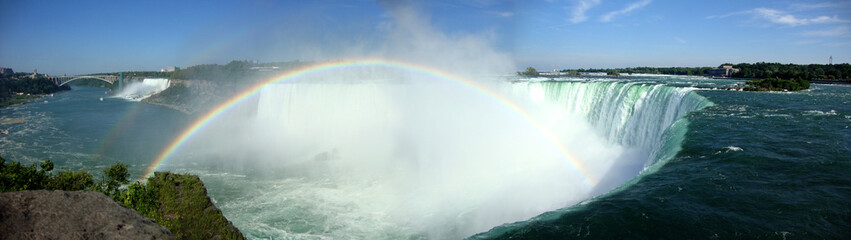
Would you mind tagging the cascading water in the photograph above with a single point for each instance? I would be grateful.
(633, 114)
(643, 117)
(373, 159)
(136, 91)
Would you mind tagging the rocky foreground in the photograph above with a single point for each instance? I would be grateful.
(42, 214)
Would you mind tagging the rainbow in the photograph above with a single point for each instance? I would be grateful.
(208, 117)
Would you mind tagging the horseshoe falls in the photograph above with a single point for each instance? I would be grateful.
(769, 165)
(378, 160)
(644, 117)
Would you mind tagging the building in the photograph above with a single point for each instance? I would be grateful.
(723, 71)
(169, 69)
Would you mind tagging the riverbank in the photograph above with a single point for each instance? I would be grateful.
(19, 99)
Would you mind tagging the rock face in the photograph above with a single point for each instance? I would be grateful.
(43, 214)
(186, 209)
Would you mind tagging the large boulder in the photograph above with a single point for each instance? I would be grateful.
(43, 214)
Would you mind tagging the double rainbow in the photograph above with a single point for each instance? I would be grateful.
(205, 119)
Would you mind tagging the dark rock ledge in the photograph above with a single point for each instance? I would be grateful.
(43, 214)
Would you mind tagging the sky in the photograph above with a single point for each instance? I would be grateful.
(80, 37)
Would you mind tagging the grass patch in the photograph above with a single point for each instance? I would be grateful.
(186, 210)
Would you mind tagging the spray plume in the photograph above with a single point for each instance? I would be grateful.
(382, 152)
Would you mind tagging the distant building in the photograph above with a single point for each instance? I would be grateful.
(723, 71)
(5, 71)
(264, 69)
(35, 73)
(169, 69)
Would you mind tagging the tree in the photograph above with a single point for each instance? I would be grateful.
(17, 177)
(613, 72)
(530, 71)
(115, 175)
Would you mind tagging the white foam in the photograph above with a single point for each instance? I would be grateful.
(137, 91)
(734, 149)
(820, 113)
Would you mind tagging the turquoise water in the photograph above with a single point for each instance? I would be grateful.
(709, 163)
(78, 131)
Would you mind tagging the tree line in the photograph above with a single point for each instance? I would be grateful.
(776, 84)
(647, 70)
(757, 70)
(793, 71)
(235, 70)
(12, 84)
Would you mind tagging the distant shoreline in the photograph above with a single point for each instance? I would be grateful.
(173, 107)
(831, 82)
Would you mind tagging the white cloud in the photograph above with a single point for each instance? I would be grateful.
(578, 11)
(779, 17)
(806, 6)
(838, 31)
(636, 5)
(729, 14)
(783, 18)
(502, 14)
(680, 40)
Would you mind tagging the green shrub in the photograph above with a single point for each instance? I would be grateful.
(17, 177)
(70, 181)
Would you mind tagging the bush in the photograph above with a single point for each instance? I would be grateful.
(70, 181)
(17, 177)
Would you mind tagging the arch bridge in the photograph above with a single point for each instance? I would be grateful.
(111, 79)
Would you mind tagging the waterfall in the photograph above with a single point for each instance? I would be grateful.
(388, 159)
(638, 115)
(136, 91)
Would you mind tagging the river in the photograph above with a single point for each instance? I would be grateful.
(79, 131)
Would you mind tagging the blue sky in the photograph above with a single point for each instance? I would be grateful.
(76, 37)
